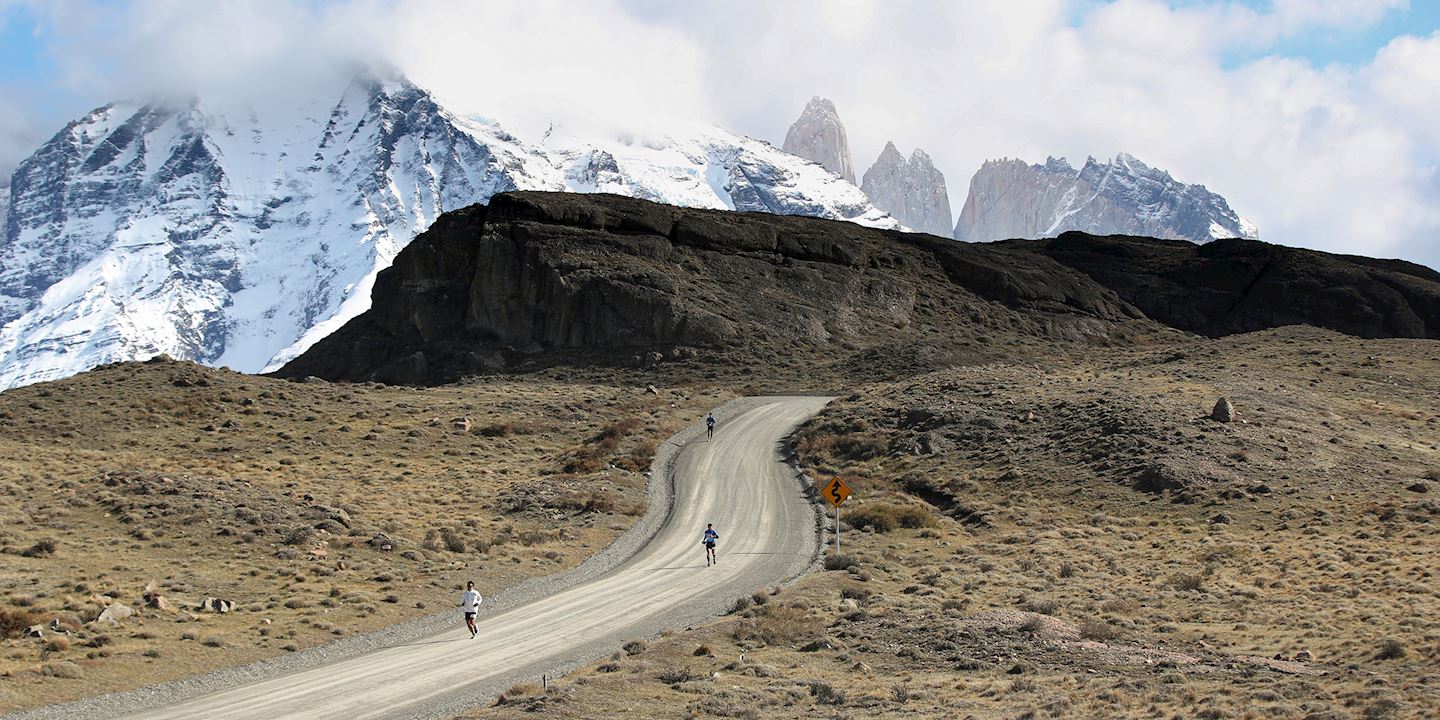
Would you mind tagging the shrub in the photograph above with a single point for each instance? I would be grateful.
(1098, 630)
(1120, 607)
(57, 643)
(1043, 606)
(14, 622)
(826, 694)
(884, 517)
(214, 641)
(518, 690)
(1186, 582)
(634, 647)
(42, 548)
(675, 675)
(453, 542)
(838, 562)
(1391, 649)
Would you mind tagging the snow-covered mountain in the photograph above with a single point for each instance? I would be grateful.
(1013, 199)
(235, 235)
(912, 190)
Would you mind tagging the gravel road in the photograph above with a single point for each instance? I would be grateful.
(654, 577)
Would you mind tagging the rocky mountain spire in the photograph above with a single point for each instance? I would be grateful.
(1013, 199)
(820, 136)
(913, 190)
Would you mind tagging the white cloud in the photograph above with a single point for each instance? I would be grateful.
(1334, 157)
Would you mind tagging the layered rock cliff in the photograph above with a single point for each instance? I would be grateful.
(1013, 199)
(581, 279)
(819, 136)
(1233, 285)
(912, 190)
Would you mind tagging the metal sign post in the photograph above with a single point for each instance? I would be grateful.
(836, 492)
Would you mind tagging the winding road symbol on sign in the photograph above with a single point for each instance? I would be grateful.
(836, 492)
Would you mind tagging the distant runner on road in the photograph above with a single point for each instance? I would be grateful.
(470, 603)
(709, 542)
(709, 427)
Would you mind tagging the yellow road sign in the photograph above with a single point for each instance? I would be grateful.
(836, 492)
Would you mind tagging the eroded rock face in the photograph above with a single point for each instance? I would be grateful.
(1014, 199)
(819, 135)
(1234, 286)
(912, 190)
(580, 279)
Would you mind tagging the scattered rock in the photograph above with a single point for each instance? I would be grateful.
(216, 605)
(1221, 519)
(933, 443)
(382, 542)
(651, 389)
(463, 424)
(1419, 487)
(1304, 656)
(35, 631)
(1224, 411)
(848, 605)
(114, 613)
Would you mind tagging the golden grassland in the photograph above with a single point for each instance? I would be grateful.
(320, 510)
(1081, 540)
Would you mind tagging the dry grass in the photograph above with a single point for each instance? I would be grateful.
(282, 498)
(1149, 606)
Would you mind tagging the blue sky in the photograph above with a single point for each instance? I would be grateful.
(1314, 118)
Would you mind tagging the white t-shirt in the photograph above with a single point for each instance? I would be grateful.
(470, 601)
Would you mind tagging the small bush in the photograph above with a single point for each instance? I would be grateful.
(518, 690)
(1120, 607)
(634, 647)
(1099, 631)
(214, 641)
(1186, 582)
(1043, 606)
(453, 542)
(884, 517)
(42, 548)
(675, 675)
(57, 643)
(704, 651)
(1391, 649)
(65, 670)
(13, 623)
(826, 694)
(838, 562)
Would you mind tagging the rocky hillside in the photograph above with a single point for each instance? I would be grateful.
(1234, 286)
(912, 190)
(818, 135)
(584, 278)
(1013, 199)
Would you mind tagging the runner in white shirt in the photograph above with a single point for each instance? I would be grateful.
(470, 602)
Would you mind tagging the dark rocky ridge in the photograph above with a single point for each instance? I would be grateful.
(555, 278)
(1234, 286)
